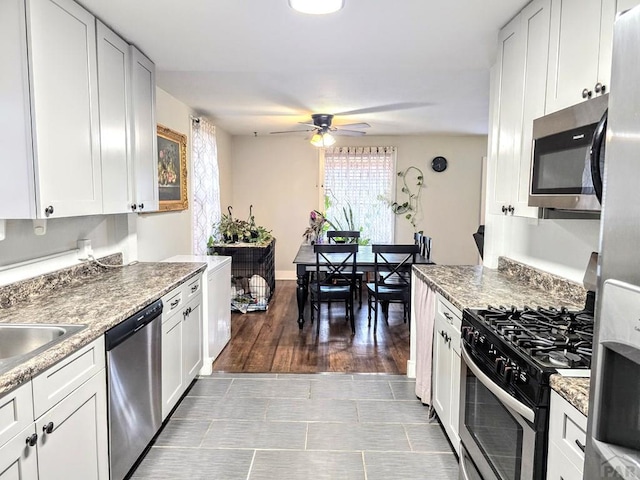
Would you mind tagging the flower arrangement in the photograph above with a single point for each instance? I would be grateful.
(166, 168)
(313, 233)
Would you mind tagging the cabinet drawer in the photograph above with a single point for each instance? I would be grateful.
(451, 314)
(172, 303)
(16, 412)
(192, 287)
(57, 382)
(567, 429)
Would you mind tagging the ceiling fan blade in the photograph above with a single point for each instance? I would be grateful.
(308, 124)
(294, 131)
(354, 125)
(348, 133)
(386, 108)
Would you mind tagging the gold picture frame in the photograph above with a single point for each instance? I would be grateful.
(172, 170)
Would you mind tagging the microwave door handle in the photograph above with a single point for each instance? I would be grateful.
(506, 399)
(597, 144)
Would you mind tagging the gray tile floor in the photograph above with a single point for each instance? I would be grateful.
(289, 426)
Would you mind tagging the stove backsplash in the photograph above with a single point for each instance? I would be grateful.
(558, 286)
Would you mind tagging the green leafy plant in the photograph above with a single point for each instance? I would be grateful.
(344, 221)
(411, 207)
(231, 230)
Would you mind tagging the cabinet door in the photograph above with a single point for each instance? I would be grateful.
(192, 340)
(610, 9)
(559, 467)
(18, 460)
(573, 51)
(113, 81)
(506, 117)
(535, 31)
(442, 371)
(77, 447)
(172, 371)
(65, 108)
(17, 197)
(454, 419)
(145, 146)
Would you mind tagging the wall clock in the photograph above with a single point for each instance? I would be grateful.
(439, 164)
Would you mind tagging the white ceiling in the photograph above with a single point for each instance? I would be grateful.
(403, 66)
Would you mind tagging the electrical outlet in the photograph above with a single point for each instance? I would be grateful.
(84, 249)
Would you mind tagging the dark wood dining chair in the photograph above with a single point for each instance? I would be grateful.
(335, 278)
(348, 236)
(392, 279)
(425, 247)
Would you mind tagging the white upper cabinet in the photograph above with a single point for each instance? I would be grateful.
(580, 49)
(53, 165)
(506, 116)
(145, 147)
(114, 76)
(517, 97)
(535, 20)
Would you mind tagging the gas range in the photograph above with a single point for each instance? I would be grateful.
(521, 348)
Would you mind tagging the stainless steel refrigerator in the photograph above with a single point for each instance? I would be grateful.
(613, 436)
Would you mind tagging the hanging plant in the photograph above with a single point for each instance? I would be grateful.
(412, 189)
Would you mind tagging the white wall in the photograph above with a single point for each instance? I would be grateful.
(561, 247)
(161, 235)
(279, 176)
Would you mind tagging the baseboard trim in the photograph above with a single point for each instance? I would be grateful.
(411, 368)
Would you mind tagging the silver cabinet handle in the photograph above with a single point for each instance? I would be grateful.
(174, 304)
(194, 288)
(600, 88)
(586, 93)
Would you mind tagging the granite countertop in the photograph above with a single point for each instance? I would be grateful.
(512, 283)
(474, 286)
(574, 390)
(100, 301)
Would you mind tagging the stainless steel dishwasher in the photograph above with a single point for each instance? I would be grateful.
(134, 359)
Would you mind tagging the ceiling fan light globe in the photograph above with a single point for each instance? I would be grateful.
(316, 7)
(328, 139)
(316, 140)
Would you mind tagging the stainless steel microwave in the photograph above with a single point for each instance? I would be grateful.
(568, 157)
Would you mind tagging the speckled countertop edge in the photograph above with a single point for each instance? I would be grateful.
(100, 302)
(573, 390)
(475, 286)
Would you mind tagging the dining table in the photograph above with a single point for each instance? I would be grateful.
(305, 262)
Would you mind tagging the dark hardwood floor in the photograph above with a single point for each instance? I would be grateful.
(272, 342)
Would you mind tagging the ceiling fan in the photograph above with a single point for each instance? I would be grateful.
(324, 131)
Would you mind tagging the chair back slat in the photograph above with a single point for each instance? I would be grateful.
(336, 262)
(393, 262)
(425, 247)
(350, 236)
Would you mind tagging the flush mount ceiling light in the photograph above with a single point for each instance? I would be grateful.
(316, 7)
(322, 139)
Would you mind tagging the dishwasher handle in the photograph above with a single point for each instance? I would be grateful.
(131, 325)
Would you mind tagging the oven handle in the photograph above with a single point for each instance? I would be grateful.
(463, 468)
(503, 396)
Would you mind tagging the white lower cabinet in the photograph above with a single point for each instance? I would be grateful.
(69, 440)
(567, 439)
(72, 436)
(447, 368)
(181, 342)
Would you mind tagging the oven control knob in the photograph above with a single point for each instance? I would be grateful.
(500, 365)
(507, 375)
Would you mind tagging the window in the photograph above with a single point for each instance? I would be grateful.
(355, 178)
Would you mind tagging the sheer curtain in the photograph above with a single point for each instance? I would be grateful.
(356, 178)
(206, 182)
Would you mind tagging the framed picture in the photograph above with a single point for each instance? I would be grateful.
(172, 170)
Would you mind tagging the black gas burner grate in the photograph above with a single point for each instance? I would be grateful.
(550, 336)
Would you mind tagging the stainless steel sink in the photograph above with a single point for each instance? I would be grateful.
(19, 342)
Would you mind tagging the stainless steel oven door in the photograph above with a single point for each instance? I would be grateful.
(495, 428)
